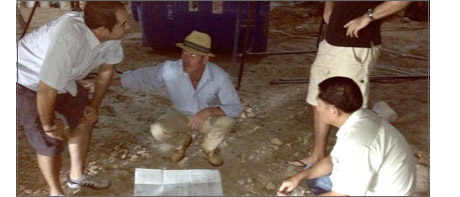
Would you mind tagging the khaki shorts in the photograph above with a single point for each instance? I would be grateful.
(352, 62)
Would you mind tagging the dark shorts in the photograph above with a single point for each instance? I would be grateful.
(67, 105)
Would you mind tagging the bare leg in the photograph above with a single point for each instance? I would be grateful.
(50, 167)
(79, 140)
(321, 133)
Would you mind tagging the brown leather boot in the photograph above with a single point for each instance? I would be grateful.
(179, 154)
(214, 157)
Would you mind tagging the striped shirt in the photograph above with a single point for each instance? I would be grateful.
(214, 84)
(61, 52)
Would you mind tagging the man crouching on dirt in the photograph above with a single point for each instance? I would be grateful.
(193, 84)
(50, 61)
(370, 157)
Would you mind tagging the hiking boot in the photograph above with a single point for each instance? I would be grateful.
(179, 154)
(89, 181)
(214, 157)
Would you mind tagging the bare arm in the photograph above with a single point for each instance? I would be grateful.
(322, 168)
(384, 9)
(328, 5)
(388, 8)
(46, 101)
(101, 85)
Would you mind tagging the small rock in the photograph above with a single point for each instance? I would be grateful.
(251, 157)
(241, 181)
(291, 168)
(133, 158)
(183, 161)
(27, 191)
(21, 187)
(123, 156)
(276, 141)
(296, 154)
(270, 186)
(249, 180)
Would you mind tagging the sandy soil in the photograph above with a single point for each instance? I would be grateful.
(276, 122)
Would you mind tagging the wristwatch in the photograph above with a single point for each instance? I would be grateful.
(369, 14)
(51, 129)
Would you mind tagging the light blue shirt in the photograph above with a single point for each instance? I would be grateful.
(214, 84)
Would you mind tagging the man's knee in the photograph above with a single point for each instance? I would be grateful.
(51, 148)
(222, 122)
(157, 130)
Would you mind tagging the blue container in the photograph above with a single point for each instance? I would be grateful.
(165, 23)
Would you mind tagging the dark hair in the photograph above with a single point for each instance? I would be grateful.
(102, 13)
(341, 92)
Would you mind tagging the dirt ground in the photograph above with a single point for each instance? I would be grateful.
(276, 124)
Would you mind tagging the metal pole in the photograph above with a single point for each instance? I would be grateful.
(236, 38)
(30, 19)
(245, 43)
(372, 79)
(280, 53)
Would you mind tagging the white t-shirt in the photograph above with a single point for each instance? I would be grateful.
(61, 52)
(371, 158)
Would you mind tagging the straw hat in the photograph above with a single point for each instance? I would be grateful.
(198, 42)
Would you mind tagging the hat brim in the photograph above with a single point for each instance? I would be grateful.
(181, 45)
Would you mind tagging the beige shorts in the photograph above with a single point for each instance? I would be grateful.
(352, 62)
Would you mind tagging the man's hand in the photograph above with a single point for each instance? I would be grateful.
(355, 25)
(198, 119)
(88, 84)
(58, 133)
(90, 115)
(287, 187)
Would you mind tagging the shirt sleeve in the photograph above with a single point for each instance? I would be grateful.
(352, 172)
(60, 56)
(115, 55)
(143, 78)
(228, 97)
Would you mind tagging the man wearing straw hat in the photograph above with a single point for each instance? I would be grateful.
(193, 84)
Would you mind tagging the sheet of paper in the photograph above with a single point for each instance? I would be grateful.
(158, 182)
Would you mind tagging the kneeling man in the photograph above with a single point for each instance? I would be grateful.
(370, 157)
(193, 84)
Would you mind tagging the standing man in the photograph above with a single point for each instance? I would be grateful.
(370, 157)
(51, 60)
(350, 49)
(193, 84)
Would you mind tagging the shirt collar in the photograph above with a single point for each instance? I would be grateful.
(349, 123)
(92, 39)
(207, 73)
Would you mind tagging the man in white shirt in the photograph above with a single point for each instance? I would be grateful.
(370, 156)
(51, 60)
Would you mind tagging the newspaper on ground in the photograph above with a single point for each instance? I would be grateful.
(195, 182)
